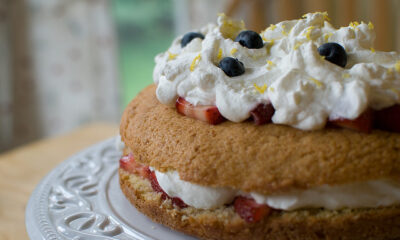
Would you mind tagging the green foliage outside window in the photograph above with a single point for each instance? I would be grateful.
(144, 28)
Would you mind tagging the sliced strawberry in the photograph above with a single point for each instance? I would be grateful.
(249, 210)
(263, 113)
(129, 164)
(156, 187)
(388, 118)
(208, 114)
(363, 123)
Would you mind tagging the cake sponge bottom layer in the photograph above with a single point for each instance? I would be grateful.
(224, 223)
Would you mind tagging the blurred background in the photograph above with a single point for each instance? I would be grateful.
(66, 63)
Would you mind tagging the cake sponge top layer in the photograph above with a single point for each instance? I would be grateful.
(266, 159)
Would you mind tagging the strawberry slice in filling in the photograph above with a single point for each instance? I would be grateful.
(209, 114)
(129, 164)
(247, 208)
(362, 123)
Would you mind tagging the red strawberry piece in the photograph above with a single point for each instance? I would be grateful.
(388, 118)
(209, 114)
(263, 113)
(363, 123)
(156, 187)
(129, 164)
(249, 210)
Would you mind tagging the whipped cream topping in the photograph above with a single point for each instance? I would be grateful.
(304, 89)
(376, 193)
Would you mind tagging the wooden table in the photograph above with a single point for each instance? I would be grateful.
(22, 169)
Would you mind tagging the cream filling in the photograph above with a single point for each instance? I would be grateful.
(376, 193)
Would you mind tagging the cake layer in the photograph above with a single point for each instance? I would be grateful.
(223, 223)
(265, 159)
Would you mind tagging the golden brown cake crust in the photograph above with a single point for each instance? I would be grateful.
(265, 159)
(224, 223)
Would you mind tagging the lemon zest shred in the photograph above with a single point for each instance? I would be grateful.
(219, 56)
(270, 64)
(297, 45)
(233, 51)
(326, 17)
(316, 82)
(259, 89)
(346, 75)
(370, 26)
(171, 56)
(322, 58)
(327, 36)
(354, 25)
(268, 48)
(271, 27)
(372, 49)
(195, 61)
(272, 89)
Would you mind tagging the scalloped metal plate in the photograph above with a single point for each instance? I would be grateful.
(81, 200)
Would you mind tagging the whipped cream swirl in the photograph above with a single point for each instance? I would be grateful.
(304, 88)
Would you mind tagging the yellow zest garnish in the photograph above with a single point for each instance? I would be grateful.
(271, 27)
(171, 56)
(219, 56)
(261, 90)
(221, 14)
(326, 17)
(316, 82)
(283, 30)
(263, 38)
(327, 36)
(269, 45)
(270, 64)
(370, 26)
(322, 58)
(297, 45)
(230, 28)
(372, 49)
(304, 15)
(390, 70)
(233, 51)
(397, 66)
(308, 32)
(354, 25)
(346, 75)
(195, 61)
(272, 89)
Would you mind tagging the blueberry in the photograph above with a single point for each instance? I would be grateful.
(231, 66)
(249, 39)
(334, 53)
(188, 37)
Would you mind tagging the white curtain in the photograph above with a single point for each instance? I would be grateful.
(58, 67)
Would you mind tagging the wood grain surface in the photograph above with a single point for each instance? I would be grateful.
(21, 170)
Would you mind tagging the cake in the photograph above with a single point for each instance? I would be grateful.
(291, 133)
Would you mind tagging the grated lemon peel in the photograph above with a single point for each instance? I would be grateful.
(316, 82)
(171, 56)
(259, 89)
(195, 61)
